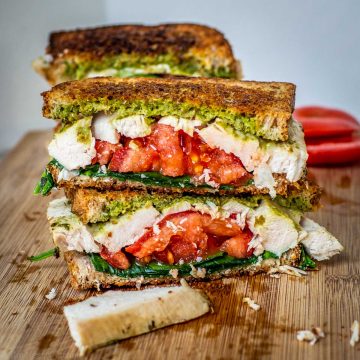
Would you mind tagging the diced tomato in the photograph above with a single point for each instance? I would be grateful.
(183, 250)
(165, 256)
(187, 235)
(237, 246)
(222, 228)
(325, 122)
(188, 225)
(137, 159)
(104, 152)
(172, 153)
(197, 154)
(167, 142)
(118, 259)
(226, 168)
(177, 250)
(334, 151)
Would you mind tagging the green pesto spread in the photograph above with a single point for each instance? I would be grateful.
(127, 65)
(155, 108)
(123, 206)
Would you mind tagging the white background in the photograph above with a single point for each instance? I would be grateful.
(313, 43)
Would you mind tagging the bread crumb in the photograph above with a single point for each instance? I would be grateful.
(183, 282)
(198, 273)
(287, 269)
(251, 303)
(276, 276)
(139, 282)
(51, 295)
(311, 336)
(174, 273)
(354, 333)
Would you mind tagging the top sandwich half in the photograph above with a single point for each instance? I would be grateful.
(132, 50)
(193, 134)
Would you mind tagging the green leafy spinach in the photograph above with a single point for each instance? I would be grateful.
(45, 184)
(53, 252)
(306, 262)
(212, 264)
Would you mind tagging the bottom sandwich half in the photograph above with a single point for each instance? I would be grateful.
(129, 239)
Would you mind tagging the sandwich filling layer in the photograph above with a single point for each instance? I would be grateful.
(212, 154)
(188, 233)
(76, 68)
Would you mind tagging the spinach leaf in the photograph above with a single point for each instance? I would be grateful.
(212, 264)
(54, 162)
(146, 178)
(45, 255)
(306, 262)
(269, 255)
(45, 184)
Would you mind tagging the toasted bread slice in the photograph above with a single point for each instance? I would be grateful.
(261, 108)
(92, 205)
(84, 276)
(117, 315)
(186, 49)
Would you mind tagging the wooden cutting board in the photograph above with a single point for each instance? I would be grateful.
(34, 327)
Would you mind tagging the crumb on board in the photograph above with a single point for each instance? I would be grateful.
(312, 336)
(51, 295)
(276, 276)
(287, 269)
(354, 333)
(252, 304)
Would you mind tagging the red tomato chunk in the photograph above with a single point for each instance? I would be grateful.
(188, 235)
(172, 153)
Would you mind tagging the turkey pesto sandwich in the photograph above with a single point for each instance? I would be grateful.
(193, 135)
(137, 50)
(127, 238)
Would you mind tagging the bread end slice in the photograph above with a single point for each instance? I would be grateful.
(117, 315)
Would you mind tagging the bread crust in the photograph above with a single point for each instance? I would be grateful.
(270, 103)
(180, 39)
(84, 276)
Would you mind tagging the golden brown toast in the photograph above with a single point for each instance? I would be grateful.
(178, 43)
(269, 105)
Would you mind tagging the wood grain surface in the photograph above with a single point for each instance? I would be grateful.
(33, 327)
